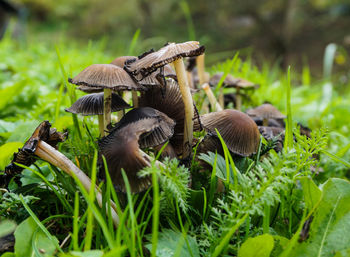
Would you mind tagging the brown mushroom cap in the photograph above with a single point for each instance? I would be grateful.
(273, 133)
(161, 133)
(25, 154)
(170, 102)
(109, 76)
(237, 129)
(266, 111)
(121, 150)
(92, 104)
(167, 54)
(230, 81)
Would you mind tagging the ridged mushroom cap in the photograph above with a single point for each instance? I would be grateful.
(167, 54)
(92, 104)
(121, 150)
(266, 111)
(238, 130)
(161, 132)
(106, 76)
(120, 61)
(170, 102)
(25, 156)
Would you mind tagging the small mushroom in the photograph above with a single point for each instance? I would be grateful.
(172, 53)
(231, 82)
(266, 112)
(275, 134)
(92, 104)
(121, 150)
(237, 129)
(41, 144)
(107, 77)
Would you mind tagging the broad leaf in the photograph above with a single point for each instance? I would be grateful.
(330, 228)
(257, 246)
(312, 194)
(7, 227)
(30, 240)
(172, 243)
(6, 153)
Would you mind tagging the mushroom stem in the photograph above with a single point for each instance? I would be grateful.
(213, 102)
(51, 155)
(101, 125)
(135, 99)
(221, 97)
(188, 104)
(190, 79)
(238, 100)
(149, 159)
(200, 68)
(265, 122)
(107, 107)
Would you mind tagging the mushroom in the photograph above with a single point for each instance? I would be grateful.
(41, 144)
(231, 82)
(172, 53)
(273, 133)
(266, 112)
(170, 102)
(121, 150)
(211, 97)
(237, 129)
(159, 135)
(92, 104)
(107, 77)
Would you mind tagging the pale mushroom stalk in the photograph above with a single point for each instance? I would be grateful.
(101, 125)
(107, 107)
(221, 96)
(135, 99)
(201, 69)
(238, 100)
(51, 155)
(213, 102)
(188, 103)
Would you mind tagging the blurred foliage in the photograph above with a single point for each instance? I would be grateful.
(291, 31)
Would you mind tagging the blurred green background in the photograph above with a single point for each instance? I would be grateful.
(285, 32)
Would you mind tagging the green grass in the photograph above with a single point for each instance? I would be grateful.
(262, 196)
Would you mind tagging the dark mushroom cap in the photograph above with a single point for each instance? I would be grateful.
(90, 90)
(273, 133)
(230, 81)
(266, 111)
(25, 154)
(106, 76)
(92, 104)
(121, 150)
(170, 102)
(161, 133)
(167, 54)
(210, 143)
(238, 130)
(120, 61)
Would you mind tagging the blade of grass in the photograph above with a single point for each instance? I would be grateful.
(75, 238)
(134, 42)
(213, 187)
(289, 126)
(190, 26)
(155, 217)
(227, 70)
(90, 217)
(336, 158)
(37, 221)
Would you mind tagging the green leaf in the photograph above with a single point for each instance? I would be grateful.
(7, 94)
(91, 253)
(312, 194)
(22, 132)
(8, 255)
(330, 228)
(257, 246)
(171, 242)
(7, 227)
(6, 153)
(30, 240)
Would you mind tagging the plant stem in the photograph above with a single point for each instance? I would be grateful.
(107, 107)
(51, 155)
(213, 102)
(188, 103)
